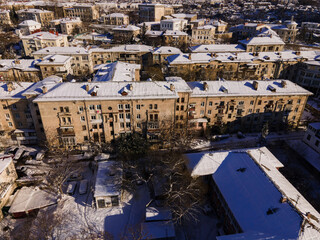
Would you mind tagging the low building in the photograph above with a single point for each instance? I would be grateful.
(107, 190)
(42, 16)
(153, 12)
(153, 38)
(40, 40)
(160, 54)
(8, 176)
(203, 35)
(5, 17)
(188, 17)
(58, 65)
(287, 31)
(117, 72)
(125, 34)
(115, 19)
(312, 136)
(67, 26)
(253, 198)
(19, 70)
(217, 48)
(28, 27)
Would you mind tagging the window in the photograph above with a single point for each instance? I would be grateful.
(258, 110)
(128, 125)
(85, 138)
(296, 109)
(14, 106)
(181, 117)
(250, 111)
(93, 117)
(251, 102)
(66, 109)
(138, 116)
(155, 106)
(120, 106)
(259, 102)
(127, 115)
(182, 108)
(17, 115)
(138, 125)
(241, 102)
(127, 106)
(121, 115)
(210, 103)
(84, 127)
(201, 112)
(182, 100)
(222, 103)
(121, 125)
(150, 106)
(82, 119)
(10, 124)
(61, 109)
(177, 108)
(299, 101)
(151, 117)
(98, 107)
(156, 117)
(202, 104)
(80, 109)
(91, 107)
(229, 115)
(94, 126)
(4, 106)
(138, 106)
(7, 116)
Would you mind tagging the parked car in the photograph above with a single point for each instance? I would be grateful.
(83, 186)
(71, 188)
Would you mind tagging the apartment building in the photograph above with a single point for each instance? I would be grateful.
(159, 55)
(8, 176)
(42, 16)
(268, 43)
(287, 31)
(312, 136)
(174, 24)
(175, 38)
(28, 27)
(5, 17)
(188, 17)
(238, 65)
(153, 12)
(125, 34)
(81, 61)
(19, 70)
(76, 113)
(67, 26)
(203, 35)
(40, 40)
(85, 11)
(310, 30)
(58, 65)
(115, 19)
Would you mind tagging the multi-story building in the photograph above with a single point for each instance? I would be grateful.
(115, 19)
(309, 30)
(42, 16)
(253, 198)
(312, 136)
(268, 43)
(85, 11)
(188, 17)
(5, 17)
(125, 34)
(160, 54)
(58, 65)
(81, 61)
(203, 34)
(175, 38)
(174, 24)
(28, 27)
(153, 12)
(19, 70)
(67, 26)
(287, 31)
(77, 113)
(8, 176)
(40, 40)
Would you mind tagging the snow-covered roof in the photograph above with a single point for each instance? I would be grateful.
(61, 51)
(315, 125)
(17, 90)
(125, 48)
(245, 88)
(216, 48)
(154, 33)
(116, 15)
(43, 35)
(183, 15)
(68, 20)
(109, 179)
(158, 214)
(30, 198)
(272, 40)
(5, 160)
(205, 27)
(116, 71)
(126, 28)
(179, 84)
(166, 50)
(28, 65)
(28, 23)
(37, 88)
(174, 33)
(69, 91)
(252, 187)
(54, 60)
(33, 10)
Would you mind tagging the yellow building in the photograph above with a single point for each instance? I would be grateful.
(42, 16)
(153, 12)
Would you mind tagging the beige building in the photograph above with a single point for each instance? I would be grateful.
(40, 40)
(115, 19)
(268, 43)
(85, 11)
(312, 136)
(58, 65)
(5, 17)
(203, 35)
(8, 176)
(153, 12)
(19, 70)
(28, 27)
(42, 16)
(125, 34)
(67, 26)
(287, 32)
(81, 61)
(175, 38)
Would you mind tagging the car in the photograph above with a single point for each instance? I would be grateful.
(71, 188)
(83, 186)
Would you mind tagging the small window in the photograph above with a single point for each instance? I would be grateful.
(138, 116)
(127, 115)
(182, 100)
(98, 107)
(259, 102)
(138, 106)
(210, 103)
(209, 112)
(14, 106)
(10, 124)
(84, 127)
(251, 102)
(121, 115)
(127, 106)
(182, 108)
(82, 119)
(85, 138)
(80, 109)
(91, 107)
(317, 143)
(202, 104)
(155, 106)
(120, 106)
(150, 106)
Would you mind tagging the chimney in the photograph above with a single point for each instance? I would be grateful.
(283, 83)
(44, 89)
(283, 199)
(10, 87)
(248, 39)
(255, 85)
(87, 88)
(297, 53)
(172, 87)
(130, 87)
(205, 86)
(189, 56)
(308, 215)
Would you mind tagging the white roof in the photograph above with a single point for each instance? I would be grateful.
(272, 40)
(5, 160)
(154, 33)
(116, 71)
(28, 65)
(183, 15)
(166, 50)
(245, 88)
(18, 89)
(205, 27)
(32, 10)
(61, 51)
(29, 23)
(179, 84)
(252, 188)
(108, 90)
(30, 198)
(116, 15)
(109, 179)
(43, 35)
(126, 28)
(54, 60)
(125, 48)
(37, 88)
(216, 48)
(174, 33)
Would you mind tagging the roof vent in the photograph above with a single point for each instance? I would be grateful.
(10, 87)
(172, 87)
(272, 89)
(255, 85)
(130, 87)
(189, 57)
(44, 89)
(283, 83)
(223, 89)
(205, 86)
(298, 53)
(283, 199)
(241, 170)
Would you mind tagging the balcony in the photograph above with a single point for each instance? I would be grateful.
(66, 132)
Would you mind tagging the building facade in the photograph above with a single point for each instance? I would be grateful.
(42, 16)
(115, 19)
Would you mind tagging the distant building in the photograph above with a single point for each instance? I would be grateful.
(175, 38)
(85, 11)
(107, 190)
(312, 136)
(310, 31)
(19, 70)
(5, 17)
(125, 34)
(253, 198)
(203, 35)
(28, 27)
(188, 17)
(8, 176)
(287, 31)
(153, 12)
(115, 19)
(67, 26)
(58, 65)
(263, 44)
(42, 16)
(40, 40)
(173, 24)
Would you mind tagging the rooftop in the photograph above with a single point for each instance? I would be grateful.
(5, 160)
